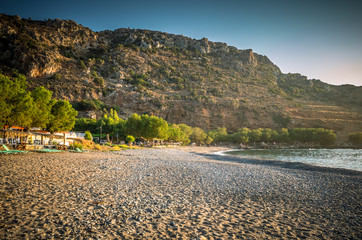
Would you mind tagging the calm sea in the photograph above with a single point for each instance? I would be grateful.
(336, 158)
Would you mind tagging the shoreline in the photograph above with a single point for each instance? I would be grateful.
(174, 193)
(249, 158)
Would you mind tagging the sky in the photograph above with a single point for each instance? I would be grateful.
(317, 38)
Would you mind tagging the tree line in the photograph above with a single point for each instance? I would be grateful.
(152, 127)
(37, 108)
(137, 126)
(319, 136)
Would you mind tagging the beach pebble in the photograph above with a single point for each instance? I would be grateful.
(173, 193)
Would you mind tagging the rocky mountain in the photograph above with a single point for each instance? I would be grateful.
(184, 80)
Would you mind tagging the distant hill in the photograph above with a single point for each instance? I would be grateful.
(184, 80)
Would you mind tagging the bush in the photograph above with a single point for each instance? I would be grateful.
(88, 135)
(99, 81)
(321, 136)
(130, 139)
(57, 76)
(82, 65)
(139, 80)
(78, 145)
(356, 138)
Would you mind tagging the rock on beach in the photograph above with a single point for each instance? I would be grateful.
(174, 194)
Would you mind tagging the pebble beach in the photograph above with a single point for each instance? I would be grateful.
(183, 193)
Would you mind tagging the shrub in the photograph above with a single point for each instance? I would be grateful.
(208, 140)
(355, 138)
(78, 145)
(57, 76)
(99, 81)
(82, 65)
(130, 139)
(88, 135)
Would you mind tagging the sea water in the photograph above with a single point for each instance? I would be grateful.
(335, 158)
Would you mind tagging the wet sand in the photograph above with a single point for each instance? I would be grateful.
(184, 193)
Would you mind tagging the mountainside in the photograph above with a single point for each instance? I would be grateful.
(197, 82)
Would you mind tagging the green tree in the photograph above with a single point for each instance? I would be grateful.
(86, 124)
(266, 134)
(153, 127)
(133, 125)
(198, 135)
(16, 103)
(119, 129)
(62, 116)
(283, 135)
(7, 91)
(242, 135)
(41, 107)
(186, 129)
(208, 140)
(325, 137)
(218, 135)
(177, 135)
(313, 135)
(255, 135)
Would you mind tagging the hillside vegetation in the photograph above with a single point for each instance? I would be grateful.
(198, 82)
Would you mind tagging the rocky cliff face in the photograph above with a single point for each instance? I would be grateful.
(198, 82)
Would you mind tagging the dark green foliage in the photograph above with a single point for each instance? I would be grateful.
(241, 136)
(97, 52)
(208, 140)
(218, 135)
(67, 51)
(198, 135)
(356, 138)
(148, 127)
(57, 76)
(139, 80)
(282, 120)
(97, 79)
(32, 109)
(86, 124)
(133, 125)
(313, 135)
(82, 65)
(319, 136)
(41, 106)
(27, 41)
(255, 135)
(153, 127)
(86, 105)
(177, 134)
(62, 116)
(283, 135)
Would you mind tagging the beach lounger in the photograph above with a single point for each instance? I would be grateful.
(7, 150)
(46, 150)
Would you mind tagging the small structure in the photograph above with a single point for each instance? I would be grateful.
(18, 138)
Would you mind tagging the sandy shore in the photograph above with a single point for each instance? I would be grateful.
(184, 193)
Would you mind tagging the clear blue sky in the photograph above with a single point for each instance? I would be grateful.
(317, 38)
